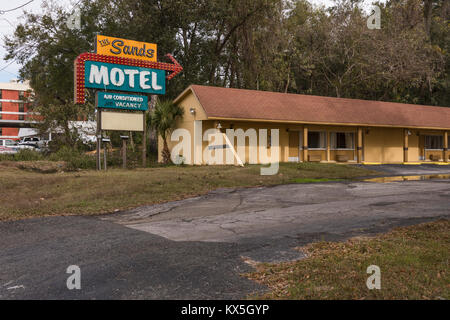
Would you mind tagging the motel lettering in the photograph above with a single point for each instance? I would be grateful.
(124, 78)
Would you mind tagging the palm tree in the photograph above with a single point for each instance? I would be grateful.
(163, 121)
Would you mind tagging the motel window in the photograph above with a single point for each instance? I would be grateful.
(342, 140)
(21, 109)
(1, 94)
(434, 142)
(1, 109)
(21, 95)
(1, 132)
(316, 140)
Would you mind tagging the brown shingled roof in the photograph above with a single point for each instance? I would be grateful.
(262, 105)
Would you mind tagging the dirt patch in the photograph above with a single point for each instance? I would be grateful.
(36, 166)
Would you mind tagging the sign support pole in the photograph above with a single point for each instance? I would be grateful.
(144, 142)
(104, 155)
(124, 153)
(98, 138)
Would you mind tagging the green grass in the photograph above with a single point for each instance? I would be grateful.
(30, 189)
(414, 263)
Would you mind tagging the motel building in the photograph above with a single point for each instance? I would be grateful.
(310, 128)
(13, 110)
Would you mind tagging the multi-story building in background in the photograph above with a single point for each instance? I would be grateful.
(13, 108)
(17, 122)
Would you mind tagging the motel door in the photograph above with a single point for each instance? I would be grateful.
(294, 146)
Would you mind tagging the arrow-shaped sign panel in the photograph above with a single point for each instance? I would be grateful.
(101, 73)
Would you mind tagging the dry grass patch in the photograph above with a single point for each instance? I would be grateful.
(414, 263)
(30, 193)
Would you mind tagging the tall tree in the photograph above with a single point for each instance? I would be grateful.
(342, 57)
(276, 45)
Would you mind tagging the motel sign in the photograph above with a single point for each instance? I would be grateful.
(100, 75)
(119, 66)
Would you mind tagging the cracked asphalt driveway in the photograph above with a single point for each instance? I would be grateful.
(237, 215)
(197, 248)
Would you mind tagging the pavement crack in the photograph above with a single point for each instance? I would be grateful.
(241, 200)
(228, 229)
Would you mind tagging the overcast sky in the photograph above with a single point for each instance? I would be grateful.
(8, 21)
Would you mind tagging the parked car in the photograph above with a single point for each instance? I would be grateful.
(32, 141)
(8, 146)
(29, 146)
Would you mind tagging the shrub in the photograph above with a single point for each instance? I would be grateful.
(73, 158)
(6, 157)
(28, 155)
(23, 155)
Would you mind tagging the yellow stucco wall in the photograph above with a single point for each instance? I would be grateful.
(283, 147)
(189, 101)
(413, 147)
(380, 144)
(383, 145)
